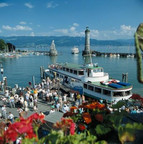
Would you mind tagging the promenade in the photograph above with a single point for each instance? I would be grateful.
(42, 105)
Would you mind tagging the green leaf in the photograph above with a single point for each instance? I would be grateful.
(91, 139)
(135, 126)
(119, 104)
(101, 129)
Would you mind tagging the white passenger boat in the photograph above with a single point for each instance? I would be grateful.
(90, 80)
(74, 50)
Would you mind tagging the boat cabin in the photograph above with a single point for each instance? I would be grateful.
(98, 90)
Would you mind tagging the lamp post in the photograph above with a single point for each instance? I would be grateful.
(2, 83)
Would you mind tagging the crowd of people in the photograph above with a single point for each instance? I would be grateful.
(25, 99)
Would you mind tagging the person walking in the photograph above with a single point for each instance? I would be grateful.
(4, 111)
(78, 99)
(12, 101)
(11, 117)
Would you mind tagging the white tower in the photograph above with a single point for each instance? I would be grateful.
(53, 51)
(87, 42)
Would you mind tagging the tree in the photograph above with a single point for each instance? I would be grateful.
(11, 47)
(3, 45)
(139, 49)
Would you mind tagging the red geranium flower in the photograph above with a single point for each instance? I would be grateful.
(81, 127)
(68, 114)
(99, 117)
(72, 128)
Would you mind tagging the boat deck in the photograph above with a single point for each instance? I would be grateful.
(114, 86)
(76, 66)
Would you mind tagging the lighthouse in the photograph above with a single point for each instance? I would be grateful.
(87, 50)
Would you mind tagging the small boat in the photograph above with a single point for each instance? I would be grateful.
(75, 50)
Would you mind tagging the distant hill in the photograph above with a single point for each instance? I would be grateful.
(30, 41)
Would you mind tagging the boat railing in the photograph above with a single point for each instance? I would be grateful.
(54, 66)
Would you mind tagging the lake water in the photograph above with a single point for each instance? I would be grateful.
(20, 70)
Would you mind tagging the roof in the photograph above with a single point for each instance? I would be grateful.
(78, 67)
(112, 86)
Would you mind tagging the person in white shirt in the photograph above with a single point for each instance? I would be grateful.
(58, 106)
(19, 111)
(52, 110)
(31, 101)
(4, 111)
(65, 108)
(65, 98)
(11, 117)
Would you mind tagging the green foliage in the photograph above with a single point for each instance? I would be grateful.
(3, 45)
(116, 119)
(54, 137)
(28, 141)
(59, 138)
(135, 126)
(139, 48)
(119, 104)
(101, 129)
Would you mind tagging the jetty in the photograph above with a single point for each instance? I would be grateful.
(113, 54)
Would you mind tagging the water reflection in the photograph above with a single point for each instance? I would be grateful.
(53, 59)
(75, 58)
(87, 59)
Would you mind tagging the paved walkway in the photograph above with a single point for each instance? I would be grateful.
(43, 106)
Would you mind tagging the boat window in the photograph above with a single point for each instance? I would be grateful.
(106, 92)
(75, 72)
(67, 69)
(71, 71)
(127, 93)
(117, 94)
(63, 68)
(85, 86)
(98, 70)
(90, 87)
(98, 90)
(81, 72)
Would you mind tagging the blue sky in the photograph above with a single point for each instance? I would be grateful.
(107, 19)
